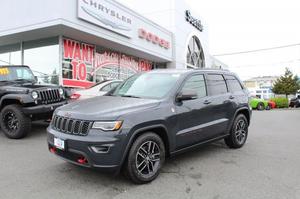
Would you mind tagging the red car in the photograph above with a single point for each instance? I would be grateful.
(272, 104)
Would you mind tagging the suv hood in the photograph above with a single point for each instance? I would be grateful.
(26, 87)
(105, 107)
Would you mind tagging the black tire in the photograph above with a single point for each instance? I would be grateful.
(260, 106)
(237, 139)
(140, 146)
(268, 107)
(14, 123)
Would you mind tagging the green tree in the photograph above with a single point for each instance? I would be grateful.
(286, 84)
(46, 79)
(54, 77)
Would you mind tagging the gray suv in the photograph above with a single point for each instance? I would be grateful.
(149, 117)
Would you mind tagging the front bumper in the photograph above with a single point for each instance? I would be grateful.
(42, 109)
(101, 150)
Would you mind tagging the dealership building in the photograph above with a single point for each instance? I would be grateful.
(77, 43)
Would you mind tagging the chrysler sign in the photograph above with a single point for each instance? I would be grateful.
(105, 14)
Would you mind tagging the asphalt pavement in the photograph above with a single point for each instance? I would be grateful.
(267, 167)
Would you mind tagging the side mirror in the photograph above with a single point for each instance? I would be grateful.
(186, 94)
(36, 78)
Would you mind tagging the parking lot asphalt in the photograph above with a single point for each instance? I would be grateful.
(268, 166)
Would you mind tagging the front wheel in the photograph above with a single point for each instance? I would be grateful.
(14, 123)
(239, 132)
(260, 106)
(145, 158)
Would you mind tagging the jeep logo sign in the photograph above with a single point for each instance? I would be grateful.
(195, 22)
(105, 14)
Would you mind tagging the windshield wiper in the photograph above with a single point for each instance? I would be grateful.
(129, 96)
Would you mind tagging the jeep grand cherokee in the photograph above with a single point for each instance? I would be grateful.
(149, 117)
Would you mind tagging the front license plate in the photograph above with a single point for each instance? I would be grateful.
(59, 143)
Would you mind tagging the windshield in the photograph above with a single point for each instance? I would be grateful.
(16, 73)
(147, 85)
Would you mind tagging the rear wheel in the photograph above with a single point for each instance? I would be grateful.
(14, 123)
(239, 132)
(260, 106)
(145, 158)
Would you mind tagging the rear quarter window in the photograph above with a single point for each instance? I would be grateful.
(233, 84)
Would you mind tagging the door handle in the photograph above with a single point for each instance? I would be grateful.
(206, 102)
(231, 97)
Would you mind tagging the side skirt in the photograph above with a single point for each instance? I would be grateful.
(197, 145)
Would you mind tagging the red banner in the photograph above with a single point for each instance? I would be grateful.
(78, 57)
(82, 67)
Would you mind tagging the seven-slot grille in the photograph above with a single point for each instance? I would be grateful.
(71, 126)
(49, 96)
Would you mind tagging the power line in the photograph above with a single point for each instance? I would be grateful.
(4, 61)
(264, 64)
(257, 50)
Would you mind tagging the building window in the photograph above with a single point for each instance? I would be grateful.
(195, 55)
(10, 54)
(42, 56)
(116, 65)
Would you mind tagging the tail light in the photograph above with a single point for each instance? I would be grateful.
(75, 96)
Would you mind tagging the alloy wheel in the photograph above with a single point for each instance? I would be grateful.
(11, 121)
(148, 158)
(241, 131)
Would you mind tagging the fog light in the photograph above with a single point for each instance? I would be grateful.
(101, 149)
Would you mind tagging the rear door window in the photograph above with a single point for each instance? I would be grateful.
(115, 84)
(216, 84)
(106, 88)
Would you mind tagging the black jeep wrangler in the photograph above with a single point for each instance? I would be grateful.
(22, 100)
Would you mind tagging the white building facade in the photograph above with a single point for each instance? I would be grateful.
(76, 43)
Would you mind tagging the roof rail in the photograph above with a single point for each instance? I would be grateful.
(216, 69)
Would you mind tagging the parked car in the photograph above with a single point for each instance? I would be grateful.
(98, 89)
(259, 104)
(149, 117)
(22, 100)
(272, 104)
(295, 102)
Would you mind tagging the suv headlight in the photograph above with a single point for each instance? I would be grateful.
(61, 91)
(34, 95)
(108, 126)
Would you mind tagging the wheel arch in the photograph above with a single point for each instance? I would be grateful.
(9, 101)
(244, 111)
(20, 99)
(158, 129)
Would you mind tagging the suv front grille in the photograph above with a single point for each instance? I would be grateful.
(71, 126)
(49, 96)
